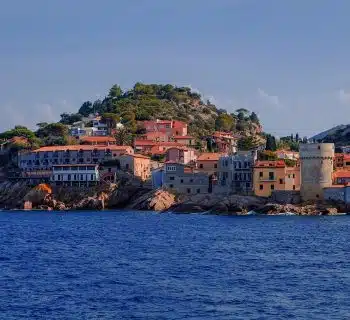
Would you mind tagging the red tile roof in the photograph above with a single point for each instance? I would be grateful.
(273, 164)
(97, 140)
(341, 174)
(83, 147)
(209, 156)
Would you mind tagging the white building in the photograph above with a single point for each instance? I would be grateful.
(79, 174)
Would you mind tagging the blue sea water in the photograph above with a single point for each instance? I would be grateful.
(135, 265)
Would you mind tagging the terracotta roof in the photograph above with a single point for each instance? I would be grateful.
(141, 142)
(273, 164)
(97, 139)
(183, 137)
(82, 147)
(182, 147)
(136, 155)
(341, 174)
(209, 156)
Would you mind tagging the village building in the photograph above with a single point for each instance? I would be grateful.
(136, 164)
(170, 127)
(341, 177)
(274, 175)
(46, 157)
(235, 172)
(75, 175)
(208, 162)
(153, 148)
(184, 180)
(181, 154)
(341, 161)
(97, 140)
(224, 142)
(185, 140)
(287, 154)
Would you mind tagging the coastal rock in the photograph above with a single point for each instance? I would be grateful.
(157, 200)
(38, 195)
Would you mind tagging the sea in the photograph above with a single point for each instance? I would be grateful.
(142, 265)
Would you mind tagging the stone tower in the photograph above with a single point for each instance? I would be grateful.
(316, 160)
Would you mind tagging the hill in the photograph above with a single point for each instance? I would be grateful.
(154, 101)
(339, 135)
(324, 134)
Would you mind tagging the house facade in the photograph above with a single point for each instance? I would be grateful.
(208, 163)
(170, 127)
(75, 175)
(235, 173)
(136, 164)
(46, 157)
(274, 175)
(185, 180)
(182, 155)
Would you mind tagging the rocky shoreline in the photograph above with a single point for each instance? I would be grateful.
(130, 194)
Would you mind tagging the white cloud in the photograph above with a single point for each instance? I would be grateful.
(31, 115)
(343, 96)
(268, 99)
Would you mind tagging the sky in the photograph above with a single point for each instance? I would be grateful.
(286, 60)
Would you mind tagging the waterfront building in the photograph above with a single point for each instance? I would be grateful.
(272, 176)
(136, 164)
(287, 154)
(185, 180)
(235, 173)
(341, 177)
(75, 175)
(316, 160)
(341, 161)
(44, 158)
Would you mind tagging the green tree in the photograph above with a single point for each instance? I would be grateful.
(41, 125)
(247, 143)
(115, 92)
(271, 143)
(111, 120)
(254, 118)
(86, 109)
(70, 118)
(224, 122)
(123, 137)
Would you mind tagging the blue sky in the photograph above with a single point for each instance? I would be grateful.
(286, 60)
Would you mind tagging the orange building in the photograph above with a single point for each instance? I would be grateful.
(341, 160)
(170, 127)
(208, 162)
(274, 175)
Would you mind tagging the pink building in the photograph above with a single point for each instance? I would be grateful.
(170, 127)
(185, 140)
(225, 142)
(182, 155)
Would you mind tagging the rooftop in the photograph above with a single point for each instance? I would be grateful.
(270, 164)
(210, 156)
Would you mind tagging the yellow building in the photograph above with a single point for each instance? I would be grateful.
(274, 175)
(137, 164)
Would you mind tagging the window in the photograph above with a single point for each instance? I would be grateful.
(215, 165)
(272, 187)
(109, 169)
(127, 166)
(247, 185)
(293, 187)
(171, 168)
(201, 165)
(188, 190)
(261, 174)
(92, 177)
(293, 175)
(261, 187)
(191, 180)
(271, 176)
(198, 190)
(171, 186)
(281, 181)
(81, 177)
(69, 177)
(182, 180)
(172, 178)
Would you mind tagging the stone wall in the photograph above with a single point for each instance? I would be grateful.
(286, 196)
(334, 194)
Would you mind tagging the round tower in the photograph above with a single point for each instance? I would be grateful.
(316, 161)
